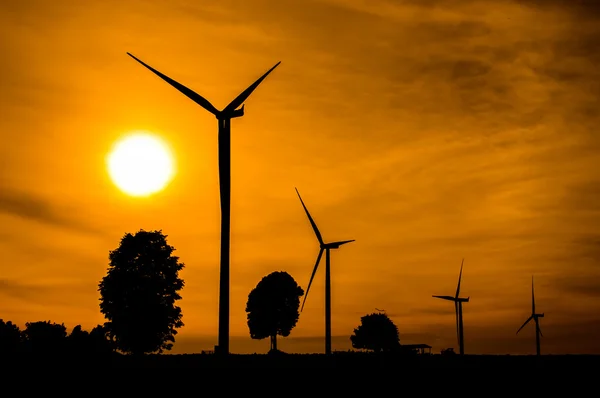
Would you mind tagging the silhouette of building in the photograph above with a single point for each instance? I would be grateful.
(418, 348)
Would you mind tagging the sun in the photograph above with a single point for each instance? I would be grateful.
(140, 164)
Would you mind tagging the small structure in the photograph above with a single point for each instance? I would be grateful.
(420, 349)
(448, 351)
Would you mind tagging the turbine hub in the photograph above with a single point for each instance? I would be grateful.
(230, 114)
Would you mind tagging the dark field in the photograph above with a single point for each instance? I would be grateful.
(337, 360)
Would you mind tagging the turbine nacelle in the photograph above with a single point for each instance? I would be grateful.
(230, 115)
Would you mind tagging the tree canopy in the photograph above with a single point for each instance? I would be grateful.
(10, 337)
(272, 307)
(139, 292)
(45, 336)
(95, 342)
(376, 332)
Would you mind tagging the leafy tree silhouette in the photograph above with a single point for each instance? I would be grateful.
(272, 307)
(78, 339)
(10, 337)
(100, 341)
(95, 342)
(45, 337)
(139, 292)
(376, 332)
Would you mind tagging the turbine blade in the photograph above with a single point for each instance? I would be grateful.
(342, 242)
(537, 325)
(239, 100)
(311, 277)
(450, 298)
(312, 222)
(459, 278)
(457, 328)
(532, 297)
(526, 322)
(197, 98)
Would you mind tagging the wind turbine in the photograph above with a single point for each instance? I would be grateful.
(324, 247)
(458, 301)
(224, 117)
(535, 317)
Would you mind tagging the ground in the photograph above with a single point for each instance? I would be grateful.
(351, 360)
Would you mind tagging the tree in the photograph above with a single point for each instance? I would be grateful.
(45, 336)
(139, 292)
(88, 343)
(272, 307)
(10, 337)
(77, 340)
(100, 341)
(376, 332)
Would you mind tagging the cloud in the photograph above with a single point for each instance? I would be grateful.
(470, 61)
(587, 8)
(587, 285)
(45, 293)
(21, 291)
(32, 207)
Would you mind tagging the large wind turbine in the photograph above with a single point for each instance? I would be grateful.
(224, 117)
(535, 317)
(458, 301)
(326, 247)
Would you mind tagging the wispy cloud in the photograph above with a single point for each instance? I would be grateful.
(45, 292)
(32, 207)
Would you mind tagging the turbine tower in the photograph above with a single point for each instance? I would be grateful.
(224, 117)
(324, 247)
(535, 317)
(458, 301)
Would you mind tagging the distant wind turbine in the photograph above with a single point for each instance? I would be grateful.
(326, 247)
(224, 117)
(535, 317)
(458, 301)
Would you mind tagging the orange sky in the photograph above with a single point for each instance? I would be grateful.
(428, 131)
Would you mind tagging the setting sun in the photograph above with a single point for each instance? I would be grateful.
(140, 164)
